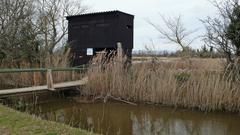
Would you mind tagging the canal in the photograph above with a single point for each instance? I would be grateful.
(116, 118)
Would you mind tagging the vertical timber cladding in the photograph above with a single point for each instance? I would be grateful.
(93, 32)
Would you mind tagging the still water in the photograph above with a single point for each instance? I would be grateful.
(124, 119)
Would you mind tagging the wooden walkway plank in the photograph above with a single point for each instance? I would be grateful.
(44, 87)
(71, 84)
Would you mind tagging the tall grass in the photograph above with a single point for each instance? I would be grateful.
(156, 83)
(25, 79)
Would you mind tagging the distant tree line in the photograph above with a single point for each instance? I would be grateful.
(204, 52)
(32, 30)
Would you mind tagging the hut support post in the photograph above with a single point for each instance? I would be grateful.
(120, 52)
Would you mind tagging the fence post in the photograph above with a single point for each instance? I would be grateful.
(50, 79)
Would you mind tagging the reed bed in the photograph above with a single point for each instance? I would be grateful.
(26, 79)
(156, 83)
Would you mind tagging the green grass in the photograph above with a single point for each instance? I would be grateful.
(16, 123)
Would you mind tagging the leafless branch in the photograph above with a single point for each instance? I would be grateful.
(174, 31)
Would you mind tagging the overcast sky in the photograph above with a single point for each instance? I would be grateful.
(144, 34)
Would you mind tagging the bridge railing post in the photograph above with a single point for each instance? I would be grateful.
(34, 79)
(50, 79)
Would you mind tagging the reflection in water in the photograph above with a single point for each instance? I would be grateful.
(146, 125)
(122, 119)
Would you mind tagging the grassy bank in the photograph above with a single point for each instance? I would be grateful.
(13, 122)
(189, 84)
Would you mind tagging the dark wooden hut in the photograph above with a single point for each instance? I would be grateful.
(94, 32)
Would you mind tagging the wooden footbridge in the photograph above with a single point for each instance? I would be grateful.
(49, 86)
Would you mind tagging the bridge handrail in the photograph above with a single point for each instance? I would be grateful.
(77, 68)
(14, 70)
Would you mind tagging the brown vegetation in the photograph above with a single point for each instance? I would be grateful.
(26, 79)
(210, 64)
(189, 86)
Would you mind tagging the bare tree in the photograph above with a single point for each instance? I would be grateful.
(35, 29)
(174, 31)
(222, 32)
(17, 36)
(52, 23)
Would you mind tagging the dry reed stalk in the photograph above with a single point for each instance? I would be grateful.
(16, 80)
(157, 83)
